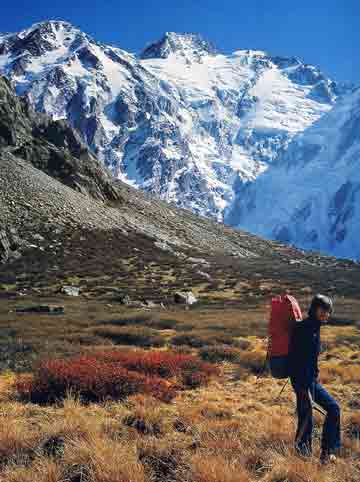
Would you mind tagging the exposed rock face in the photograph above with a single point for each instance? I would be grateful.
(182, 121)
(10, 245)
(52, 146)
(190, 46)
(4, 247)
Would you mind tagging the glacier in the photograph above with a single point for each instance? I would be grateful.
(311, 195)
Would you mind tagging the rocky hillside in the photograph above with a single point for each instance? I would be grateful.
(311, 197)
(66, 221)
(183, 121)
(50, 145)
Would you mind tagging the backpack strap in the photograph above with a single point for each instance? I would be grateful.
(295, 308)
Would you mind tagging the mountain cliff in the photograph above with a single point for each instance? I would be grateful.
(50, 145)
(182, 120)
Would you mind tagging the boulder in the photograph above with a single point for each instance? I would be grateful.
(38, 237)
(204, 275)
(124, 299)
(198, 261)
(70, 290)
(185, 298)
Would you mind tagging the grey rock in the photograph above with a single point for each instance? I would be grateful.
(198, 261)
(204, 275)
(185, 298)
(124, 299)
(70, 290)
(38, 237)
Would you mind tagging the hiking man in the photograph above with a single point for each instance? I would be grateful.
(303, 358)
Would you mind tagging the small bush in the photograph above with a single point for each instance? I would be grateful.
(201, 339)
(353, 425)
(147, 321)
(219, 353)
(188, 339)
(242, 343)
(253, 360)
(163, 461)
(131, 335)
(142, 425)
(349, 339)
(166, 324)
(215, 468)
(18, 440)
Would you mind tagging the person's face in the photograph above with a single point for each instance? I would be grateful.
(322, 315)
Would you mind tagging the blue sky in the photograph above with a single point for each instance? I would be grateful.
(324, 33)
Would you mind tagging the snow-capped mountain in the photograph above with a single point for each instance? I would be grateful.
(311, 196)
(181, 120)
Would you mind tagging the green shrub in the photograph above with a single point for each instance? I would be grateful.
(242, 343)
(131, 335)
(220, 353)
(201, 339)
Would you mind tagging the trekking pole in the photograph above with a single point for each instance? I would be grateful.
(315, 406)
(281, 391)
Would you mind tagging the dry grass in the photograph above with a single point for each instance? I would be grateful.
(235, 429)
(215, 468)
(224, 432)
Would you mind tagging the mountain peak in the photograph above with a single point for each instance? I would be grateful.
(49, 26)
(189, 45)
(42, 37)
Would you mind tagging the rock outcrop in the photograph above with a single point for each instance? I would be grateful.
(49, 145)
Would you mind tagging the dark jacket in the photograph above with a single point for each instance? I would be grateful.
(304, 353)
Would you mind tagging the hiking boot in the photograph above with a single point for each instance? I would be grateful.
(326, 458)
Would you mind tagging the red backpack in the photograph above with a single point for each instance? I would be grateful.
(284, 311)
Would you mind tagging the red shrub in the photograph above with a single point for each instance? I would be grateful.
(115, 375)
(91, 379)
(162, 364)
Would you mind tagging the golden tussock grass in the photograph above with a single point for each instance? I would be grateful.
(235, 429)
(215, 468)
